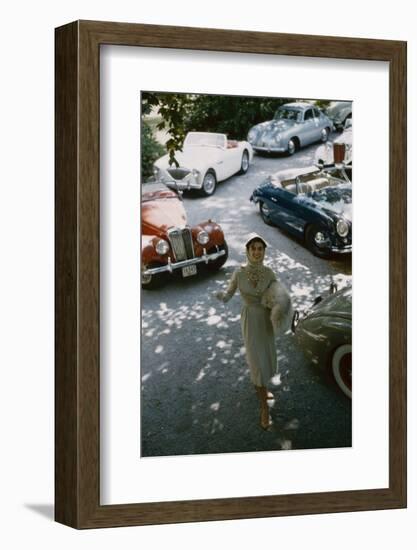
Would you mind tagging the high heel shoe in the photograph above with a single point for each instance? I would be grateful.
(266, 421)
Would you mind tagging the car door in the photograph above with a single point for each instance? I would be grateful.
(320, 123)
(232, 158)
(283, 209)
(309, 127)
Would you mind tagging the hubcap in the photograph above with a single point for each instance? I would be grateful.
(291, 147)
(146, 279)
(265, 210)
(324, 135)
(209, 183)
(342, 368)
(245, 162)
(320, 238)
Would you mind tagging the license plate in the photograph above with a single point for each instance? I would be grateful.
(189, 270)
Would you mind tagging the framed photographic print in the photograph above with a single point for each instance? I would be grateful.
(194, 166)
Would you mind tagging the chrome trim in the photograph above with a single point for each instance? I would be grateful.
(183, 186)
(269, 149)
(344, 250)
(177, 265)
(181, 241)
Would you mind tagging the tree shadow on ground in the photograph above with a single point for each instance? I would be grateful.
(196, 395)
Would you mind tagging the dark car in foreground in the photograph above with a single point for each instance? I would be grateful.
(169, 245)
(325, 336)
(311, 204)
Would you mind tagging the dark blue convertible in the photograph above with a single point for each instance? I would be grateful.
(311, 204)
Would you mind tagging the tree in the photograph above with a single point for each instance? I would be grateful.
(173, 110)
(151, 150)
(231, 115)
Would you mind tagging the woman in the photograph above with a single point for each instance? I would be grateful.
(252, 279)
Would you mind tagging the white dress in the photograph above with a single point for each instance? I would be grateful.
(257, 330)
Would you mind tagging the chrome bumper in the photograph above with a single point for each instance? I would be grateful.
(269, 149)
(183, 185)
(344, 250)
(170, 266)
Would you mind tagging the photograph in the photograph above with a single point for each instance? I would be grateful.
(246, 273)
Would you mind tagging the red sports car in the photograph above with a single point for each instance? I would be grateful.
(169, 244)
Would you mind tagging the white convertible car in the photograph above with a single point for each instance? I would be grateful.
(206, 159)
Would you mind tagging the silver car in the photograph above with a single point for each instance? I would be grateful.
(294, 125)
(339, 112)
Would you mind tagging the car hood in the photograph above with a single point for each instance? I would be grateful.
(192, 157)
(338, 108)
(335, 200)
(338, 304)
(275, 125)
(161, 209)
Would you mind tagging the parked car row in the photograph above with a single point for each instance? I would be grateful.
(208, 158)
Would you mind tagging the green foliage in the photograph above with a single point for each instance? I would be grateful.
(173, 108)
(230, 115)
(151, 150)
(322, 103)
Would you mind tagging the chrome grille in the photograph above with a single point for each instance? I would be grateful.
(178, 173)
(181, 243)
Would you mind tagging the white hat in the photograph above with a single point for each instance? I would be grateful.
(253, 236)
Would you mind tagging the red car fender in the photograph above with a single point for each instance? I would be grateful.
(214, 231)
(149, 253)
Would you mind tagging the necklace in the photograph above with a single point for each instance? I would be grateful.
(255, 274)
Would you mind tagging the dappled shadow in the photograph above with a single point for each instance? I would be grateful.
(196, 395)
(196, 392)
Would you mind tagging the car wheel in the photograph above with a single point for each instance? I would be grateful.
(324, 135)
(291, 147)
(209, 184)
(318, 241)
(265, 213)
(153, 282)
(342, 368)
(215, 265)
(244, 165)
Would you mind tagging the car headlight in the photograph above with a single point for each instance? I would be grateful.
(203, 237)
(251, 135)
(342, 228)
(278, 138)
(162, 247)
(195, 173)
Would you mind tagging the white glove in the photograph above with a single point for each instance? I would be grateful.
(220, 295)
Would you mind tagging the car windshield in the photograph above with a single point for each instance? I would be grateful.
(288, 114)
(208, 140)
